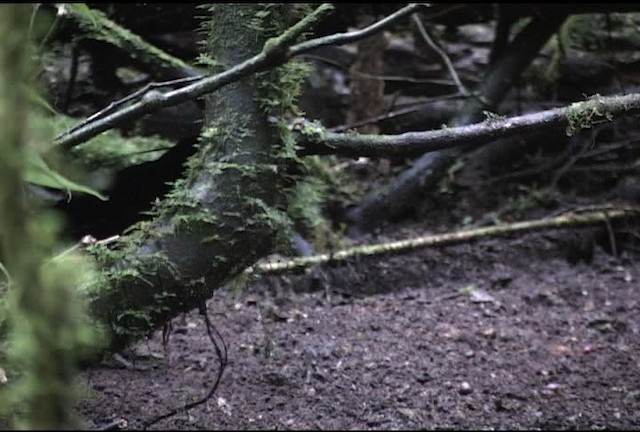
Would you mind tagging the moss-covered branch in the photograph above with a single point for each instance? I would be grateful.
(573, 118)
(569, 220)
(95, 25)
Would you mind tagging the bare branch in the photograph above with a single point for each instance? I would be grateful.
(413, 107)
(342, 38)
(577, 116)
(155, 100)
(137, 95)
(445, 58)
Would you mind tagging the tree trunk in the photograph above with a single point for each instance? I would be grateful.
(224, 214)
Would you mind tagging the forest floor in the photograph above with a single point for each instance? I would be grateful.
(526, 331)
(501, 333)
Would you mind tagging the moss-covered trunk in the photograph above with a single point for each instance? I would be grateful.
(224, 214)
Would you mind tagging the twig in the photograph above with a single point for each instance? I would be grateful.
(535, 170)
(84, 242)
(343, 38)
(580, 145)
(612, 238)
(135, 95)
(567, 220)
(114, 425)
(275, 52)
(608, 168)
(443, 55)
(397, 113)
(396, 78)
(603, 149)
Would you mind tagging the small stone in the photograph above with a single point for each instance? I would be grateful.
(319, 376)
(481, 296)
(553, 386)
(465, 388)
(489, 333)
(423, 377)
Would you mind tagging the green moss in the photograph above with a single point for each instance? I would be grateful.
(590, 32)
(584, 115)
(97, 26)
(312, 131)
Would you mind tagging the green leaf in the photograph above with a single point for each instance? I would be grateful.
(39, 173)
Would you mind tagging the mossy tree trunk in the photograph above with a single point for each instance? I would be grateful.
(226, 211)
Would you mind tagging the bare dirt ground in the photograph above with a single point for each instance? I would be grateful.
(530, 331)
(497, 334)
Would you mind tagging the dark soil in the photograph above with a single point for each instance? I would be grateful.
(531, 331)
(501, 333)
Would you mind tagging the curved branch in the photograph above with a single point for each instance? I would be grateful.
(342, 38)
(443, 55)
(579, 115)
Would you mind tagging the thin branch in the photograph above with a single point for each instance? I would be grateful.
(343, 38)
(397, 78)
(578, 147)
(118, 424)
(577, 116)
(275, 52)
(137, 95)
(574, 219)
(608, 168)
(415, 106)
(443, 55)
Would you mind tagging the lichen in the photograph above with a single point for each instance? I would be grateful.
(584, 115)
